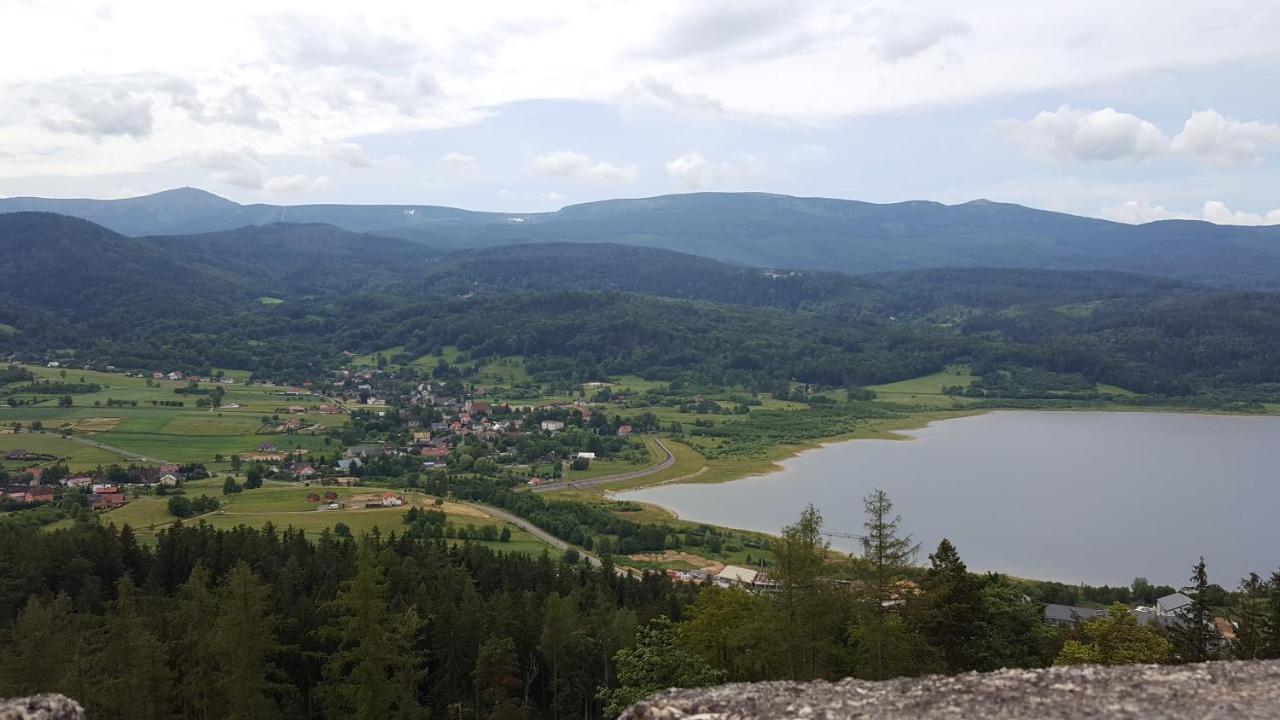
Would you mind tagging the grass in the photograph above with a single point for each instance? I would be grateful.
(79, 457)
(926, 389)
(285, 505)
(177, 434)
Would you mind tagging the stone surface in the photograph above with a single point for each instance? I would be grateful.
(1236, 690)
(41, 707)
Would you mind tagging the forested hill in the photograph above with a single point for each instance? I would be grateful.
(758, 230)
(287, 301)
(653, 271)
(189, 210)
(67, 263)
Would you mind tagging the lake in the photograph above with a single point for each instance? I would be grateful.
(1094, 497)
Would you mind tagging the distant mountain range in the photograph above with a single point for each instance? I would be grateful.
(752, 229)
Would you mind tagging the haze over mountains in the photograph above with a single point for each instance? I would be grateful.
(753, 229)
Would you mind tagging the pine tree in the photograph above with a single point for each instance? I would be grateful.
(134, 681)
(656, 662)
(42, 653)
(1273, 613)
(243, 642)
(953, 615)
(1253, 637)
(189, 649)
(889, 556)
(497, 678)
(1192, 632)
(372, 674)
(808, 614)
(558, 627)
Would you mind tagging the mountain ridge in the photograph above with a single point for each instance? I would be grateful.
(755, 230)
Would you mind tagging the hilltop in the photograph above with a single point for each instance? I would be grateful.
(755, 229)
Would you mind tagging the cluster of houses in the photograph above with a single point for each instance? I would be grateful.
(179, 375)
(27, 493)
(729, 576)
(101, 495)
(1167, 611)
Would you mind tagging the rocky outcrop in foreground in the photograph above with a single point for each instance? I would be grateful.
(41, 707)
(1235, 690)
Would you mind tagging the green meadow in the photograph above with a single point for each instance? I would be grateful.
(285, 505)
(171, 434)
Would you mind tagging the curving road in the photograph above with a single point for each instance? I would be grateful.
(535, 531)
(667, 462)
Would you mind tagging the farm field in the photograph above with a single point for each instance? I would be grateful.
(139, 426)
(79, 457)
(926, 389)
(285, 505)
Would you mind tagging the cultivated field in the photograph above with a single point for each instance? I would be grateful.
(137, 426)
(285, 505)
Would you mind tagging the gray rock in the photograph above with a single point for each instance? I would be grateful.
(1236, 690)
(41, 707)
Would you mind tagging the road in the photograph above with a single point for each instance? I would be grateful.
(536, 531)
(618, 477)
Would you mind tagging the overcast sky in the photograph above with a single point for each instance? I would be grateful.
(1128, 109)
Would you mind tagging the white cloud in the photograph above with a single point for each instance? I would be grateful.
(907, 41)
(1218, 212)
(458, 162)
(289, 184)
(664, 95)
(1136, 212)
(1087, 135)
(241, 106)
(580, 166)
(241, 168)
(117, 113)
(1210, 135)
(556, 197)
(1107, 134)
(1140, 211)
(351, 154)
(692, 170)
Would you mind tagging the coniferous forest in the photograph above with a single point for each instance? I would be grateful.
(249, 623)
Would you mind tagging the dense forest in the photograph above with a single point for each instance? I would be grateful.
(583, 311)
(265, 623)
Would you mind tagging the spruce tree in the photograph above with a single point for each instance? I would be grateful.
(187, 636)
(497, 679)
(808, 614)
(42, 652)
(888, 555)
(953, 613)
(1253, 637)
(135, 682)
(1192, 633)
(372, 673)
(243, 642)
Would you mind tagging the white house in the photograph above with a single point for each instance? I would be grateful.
(735, 575)
(552, 425)
(1172, 605)
(586, 456)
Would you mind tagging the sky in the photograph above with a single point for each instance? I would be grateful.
(1132, 110)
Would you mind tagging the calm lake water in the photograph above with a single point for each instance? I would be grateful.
(1090, 497)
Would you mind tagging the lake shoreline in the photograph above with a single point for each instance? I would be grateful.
(895, 429)
(980, 481)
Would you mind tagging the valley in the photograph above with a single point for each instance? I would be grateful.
(541, 406)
